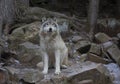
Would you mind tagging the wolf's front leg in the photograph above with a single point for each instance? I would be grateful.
(57, 62)
(45, 61)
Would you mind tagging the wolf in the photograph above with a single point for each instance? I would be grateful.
(53, 49)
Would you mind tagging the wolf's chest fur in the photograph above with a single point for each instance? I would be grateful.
(49, 44)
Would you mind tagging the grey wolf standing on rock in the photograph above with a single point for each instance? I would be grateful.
(52, 46)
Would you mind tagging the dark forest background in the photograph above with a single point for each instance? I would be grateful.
(13, 11)
(79, 8)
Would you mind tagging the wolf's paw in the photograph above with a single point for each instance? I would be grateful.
(57, 72)
(63, 67)
(44, 72)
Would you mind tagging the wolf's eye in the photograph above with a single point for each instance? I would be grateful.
(43, 25)
(46, 24)
(54, 25)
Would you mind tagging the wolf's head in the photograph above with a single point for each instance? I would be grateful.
(49, 26)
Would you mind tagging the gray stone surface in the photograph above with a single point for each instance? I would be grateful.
(102, 37)
(114, 52)
(78, 72)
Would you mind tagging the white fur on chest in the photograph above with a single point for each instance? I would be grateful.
(48, 44)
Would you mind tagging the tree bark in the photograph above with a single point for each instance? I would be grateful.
(8, 11)
(92, 16)
(8, 14)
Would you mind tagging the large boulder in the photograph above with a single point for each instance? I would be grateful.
(114, 70)
(4, 79)
(112, 50)
(29, 53)
(23, 75)
(76, 38)
(28, 32)
(95, 49)
(77, 73)
(102, 37)
(97, 59)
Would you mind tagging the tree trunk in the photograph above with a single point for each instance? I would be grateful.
(8, 11)
(92, 16)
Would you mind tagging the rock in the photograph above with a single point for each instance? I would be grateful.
(79, 72)
(115, 40)
(13, 61)
(12, 70)
(82, 46)
(76, 38)
(29, 53)
(40, 65)
(111, 22)
(107, 45)
(3, 46)
(24, 33)
(85, 82)
(13, 77)
(4, 76)
(118, 35)
(114, 52)
(63, 25)
(95, 49)
(71, 49)
(93, 58)
(29, 75)
(102, 37)
(77, 57)
(83, 57)
(97, 59)
(32, 76)
(76, 54)
(114, 70)
(90, 72)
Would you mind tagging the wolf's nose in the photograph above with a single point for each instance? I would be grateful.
(50, 29)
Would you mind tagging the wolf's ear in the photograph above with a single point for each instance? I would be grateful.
(44, 19)
(55, 19)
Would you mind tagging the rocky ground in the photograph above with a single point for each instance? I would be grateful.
(94, 62)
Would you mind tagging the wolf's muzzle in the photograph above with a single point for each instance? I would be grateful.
(50, 29)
